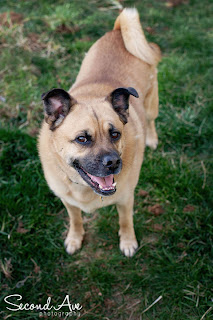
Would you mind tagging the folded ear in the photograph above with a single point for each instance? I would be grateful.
(57, 104)
(120, 101)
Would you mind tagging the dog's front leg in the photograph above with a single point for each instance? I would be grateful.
(128, 242)
(76, 231)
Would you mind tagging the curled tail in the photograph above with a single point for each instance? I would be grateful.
(134, 39)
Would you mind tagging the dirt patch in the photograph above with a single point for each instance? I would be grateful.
(151, 239)
(34, 43)
(63, 28)
(8, 18)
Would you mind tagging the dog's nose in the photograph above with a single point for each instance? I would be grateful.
(111, 161)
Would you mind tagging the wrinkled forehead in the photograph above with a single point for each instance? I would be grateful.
(92, 116)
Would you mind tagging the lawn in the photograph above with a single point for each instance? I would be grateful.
(42, 44)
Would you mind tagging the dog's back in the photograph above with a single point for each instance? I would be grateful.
(121, 58)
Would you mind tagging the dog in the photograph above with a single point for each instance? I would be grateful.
(92, 141)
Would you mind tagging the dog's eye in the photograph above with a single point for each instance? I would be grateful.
(115, 135)
(81, 139)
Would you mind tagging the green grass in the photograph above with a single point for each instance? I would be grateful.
(174, 259)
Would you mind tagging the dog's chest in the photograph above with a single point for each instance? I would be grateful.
(87, 200)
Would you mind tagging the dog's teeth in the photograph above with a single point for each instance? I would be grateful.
(107, 188)
(114, 184)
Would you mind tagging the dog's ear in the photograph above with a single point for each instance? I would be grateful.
(57, 104)
(120, 101)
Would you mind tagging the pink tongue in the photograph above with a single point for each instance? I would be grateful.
(103, 181)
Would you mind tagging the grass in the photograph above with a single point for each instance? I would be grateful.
(41, 47)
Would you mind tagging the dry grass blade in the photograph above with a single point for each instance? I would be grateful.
(204, 172)
(151, 305)
(203, 316)
(6, 268)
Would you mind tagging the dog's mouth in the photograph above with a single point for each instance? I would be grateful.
(105, 186)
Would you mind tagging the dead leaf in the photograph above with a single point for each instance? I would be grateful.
(87, 295)
(142, 193)
(37, 269)
(143, 268)
(58, 79)
(175, 3)
(189, 208)
(157, 227)
(181, 245)
(157, 209)
(21, 228)
(85, 39)
(109, 304)
(95, 290)
(150, 30)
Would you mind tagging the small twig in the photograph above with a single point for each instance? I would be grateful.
(134, 304)
(131, 315)
(127, 287)
(93, 217)
(86, 312)
(121, 306)
(206, 313)
(204, 171)
(20, 284)
(151, 305)
(119, 293)
(201, 126)
(198, 296)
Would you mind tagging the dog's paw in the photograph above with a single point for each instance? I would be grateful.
(128, 247)
(72, 244)
(152, 142)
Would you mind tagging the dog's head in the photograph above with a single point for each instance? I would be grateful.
(88, 135)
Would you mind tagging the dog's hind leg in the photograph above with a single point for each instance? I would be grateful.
(151, 110)
(76, 231)
(128, 242)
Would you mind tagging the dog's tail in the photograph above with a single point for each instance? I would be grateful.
(134, 39)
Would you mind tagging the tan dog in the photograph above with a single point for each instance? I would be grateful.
(93, 140)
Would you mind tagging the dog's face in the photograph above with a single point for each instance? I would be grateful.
(88, 135)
